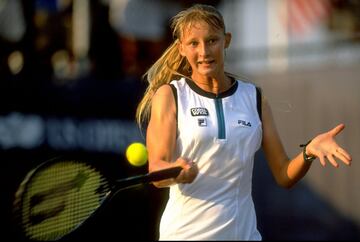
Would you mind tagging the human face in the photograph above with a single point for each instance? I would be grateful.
(203, 46)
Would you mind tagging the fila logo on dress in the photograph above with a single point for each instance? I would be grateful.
(244, 123)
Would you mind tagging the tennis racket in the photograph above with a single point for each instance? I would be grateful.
(59, 195)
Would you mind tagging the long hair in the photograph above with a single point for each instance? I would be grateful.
(171, 63)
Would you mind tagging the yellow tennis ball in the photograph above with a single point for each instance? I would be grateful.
(136, 154)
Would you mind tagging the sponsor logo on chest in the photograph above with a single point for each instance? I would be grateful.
(199, 112)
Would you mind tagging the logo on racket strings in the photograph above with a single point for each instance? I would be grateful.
(58, 192)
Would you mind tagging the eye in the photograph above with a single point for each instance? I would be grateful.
(212, 41)
(193, 43)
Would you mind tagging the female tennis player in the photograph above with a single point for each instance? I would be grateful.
(211, 123)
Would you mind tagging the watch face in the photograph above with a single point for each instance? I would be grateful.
(308, 158)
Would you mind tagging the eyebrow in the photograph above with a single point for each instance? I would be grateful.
(212, 36)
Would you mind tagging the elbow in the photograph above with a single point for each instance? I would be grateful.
(284, 180)
(157, 184)
(164, 183)
(288, 186)
(285, 183)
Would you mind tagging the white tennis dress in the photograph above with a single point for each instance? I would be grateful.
(221, 133)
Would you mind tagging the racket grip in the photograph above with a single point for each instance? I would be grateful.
(164, 174)
(149, 177)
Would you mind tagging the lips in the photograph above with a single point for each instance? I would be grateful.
(207, 62)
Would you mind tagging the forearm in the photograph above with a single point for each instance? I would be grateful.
(287, 172)
(294, 170)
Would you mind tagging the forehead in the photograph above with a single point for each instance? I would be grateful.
(199, 27)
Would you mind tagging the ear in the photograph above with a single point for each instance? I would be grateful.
(180, 48)
(227, 40)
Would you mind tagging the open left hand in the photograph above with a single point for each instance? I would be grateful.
(324, 146)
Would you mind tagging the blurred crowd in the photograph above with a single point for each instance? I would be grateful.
(65, 39)
(73, 50)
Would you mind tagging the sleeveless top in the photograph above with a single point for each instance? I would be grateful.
(221, 133)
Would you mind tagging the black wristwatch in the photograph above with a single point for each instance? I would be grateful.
(307, 158)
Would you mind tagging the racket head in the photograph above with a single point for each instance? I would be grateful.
(57, 196)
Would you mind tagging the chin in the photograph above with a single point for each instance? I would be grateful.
(209, 73)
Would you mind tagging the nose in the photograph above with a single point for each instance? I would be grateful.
(203, 49)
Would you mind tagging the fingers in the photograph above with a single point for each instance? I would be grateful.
(322, 160)
(342, 155)
(192, 173)
(189, 172)
(332, 160)
(339, 154)
(184, 163)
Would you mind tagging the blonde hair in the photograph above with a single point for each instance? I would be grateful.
(171, 63)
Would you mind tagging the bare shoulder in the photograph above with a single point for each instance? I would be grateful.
(163, 91)
(164, 99)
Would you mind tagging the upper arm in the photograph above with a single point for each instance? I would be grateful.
(272, 145)
(161, 131)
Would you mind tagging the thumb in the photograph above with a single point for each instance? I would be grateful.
(337, 129)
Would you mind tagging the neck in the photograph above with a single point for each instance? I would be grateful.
(213, 85)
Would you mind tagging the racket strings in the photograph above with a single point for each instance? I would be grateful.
(60, 197)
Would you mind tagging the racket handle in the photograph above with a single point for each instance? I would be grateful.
(150, 177)
(164, 174)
